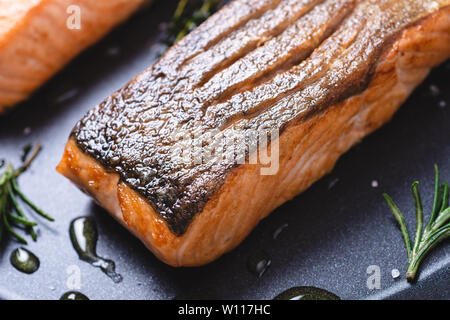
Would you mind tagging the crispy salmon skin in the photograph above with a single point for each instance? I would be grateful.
(322, 74)
(39, 37)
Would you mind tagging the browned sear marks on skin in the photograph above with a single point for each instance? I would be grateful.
(254, 65)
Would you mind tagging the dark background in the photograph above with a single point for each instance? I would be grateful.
(336, 229)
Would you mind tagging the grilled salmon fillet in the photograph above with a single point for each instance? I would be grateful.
(321, 73)
(38, 37)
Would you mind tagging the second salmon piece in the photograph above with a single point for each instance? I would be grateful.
(39, 37)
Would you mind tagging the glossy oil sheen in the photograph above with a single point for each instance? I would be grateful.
(84, 236)
(213, 81)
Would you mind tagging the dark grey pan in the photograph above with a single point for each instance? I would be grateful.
(327, 244)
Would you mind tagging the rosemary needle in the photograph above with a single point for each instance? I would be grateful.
(11, 213)
(186, 19)
(436, 230)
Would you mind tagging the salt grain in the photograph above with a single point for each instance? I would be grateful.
(435, 91)
(113, 51)
(333, 183)
(395, 273)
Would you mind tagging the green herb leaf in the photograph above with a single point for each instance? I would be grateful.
(189, 15)
(11, 214)
(436, 230)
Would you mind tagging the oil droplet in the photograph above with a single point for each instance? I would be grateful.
(278, 231)
(259, 263)
(84, 236)
(306, 293)
(24, 260)
(73, 295)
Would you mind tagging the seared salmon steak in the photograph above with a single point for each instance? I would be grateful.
(39, 37)
(312, 76)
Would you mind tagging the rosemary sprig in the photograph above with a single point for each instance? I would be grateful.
(11, 213)
(436, 230)
(187, 17)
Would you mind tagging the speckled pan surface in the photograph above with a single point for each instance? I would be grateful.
(327, 244)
